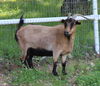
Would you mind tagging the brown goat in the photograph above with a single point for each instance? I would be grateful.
(38, 40)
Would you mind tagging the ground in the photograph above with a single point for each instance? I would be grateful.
(13, 74)
(5, 68)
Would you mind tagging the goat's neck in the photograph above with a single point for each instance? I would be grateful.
(71, 41)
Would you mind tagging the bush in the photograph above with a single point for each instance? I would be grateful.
(76, 6)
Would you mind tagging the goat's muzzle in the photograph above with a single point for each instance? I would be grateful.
(67, 34)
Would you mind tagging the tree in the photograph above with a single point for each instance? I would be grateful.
(76, 6)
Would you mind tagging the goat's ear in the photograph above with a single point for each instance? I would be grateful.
(78, 22)
(62, 21)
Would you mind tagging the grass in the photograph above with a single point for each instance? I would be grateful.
(78, 69)
(79, 73)
(91, 79)
(36, 78)
(14, 9)
(84, 41)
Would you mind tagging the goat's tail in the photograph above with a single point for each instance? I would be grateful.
(21, 22)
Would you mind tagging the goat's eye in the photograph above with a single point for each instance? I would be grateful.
(66, 24)
(72, 24)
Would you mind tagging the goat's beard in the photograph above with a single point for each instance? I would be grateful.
(68, 37)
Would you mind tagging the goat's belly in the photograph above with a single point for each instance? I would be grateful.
(39, 52)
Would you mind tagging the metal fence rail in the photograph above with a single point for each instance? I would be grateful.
(48, 19)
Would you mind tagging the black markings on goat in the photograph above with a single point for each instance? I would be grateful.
(67, 35)
(39, 52)
(54, 69)
(63, 68)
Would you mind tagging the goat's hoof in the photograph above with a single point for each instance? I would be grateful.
(55, 73)
(31, 67)
(21, 60)
(64, 73)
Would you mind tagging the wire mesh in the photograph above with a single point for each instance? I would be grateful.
(84, 40)
(76, 7)
(84, 43)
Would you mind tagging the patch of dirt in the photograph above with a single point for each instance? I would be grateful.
(3, 80)
(5, 69)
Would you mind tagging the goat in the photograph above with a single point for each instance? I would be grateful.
(39, 40)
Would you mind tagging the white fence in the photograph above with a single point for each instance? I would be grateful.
(94, 17)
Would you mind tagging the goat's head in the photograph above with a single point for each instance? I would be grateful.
(70, 25)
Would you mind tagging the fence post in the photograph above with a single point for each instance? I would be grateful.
(96, 28)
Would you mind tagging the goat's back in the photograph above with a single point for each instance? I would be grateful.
(39, 36)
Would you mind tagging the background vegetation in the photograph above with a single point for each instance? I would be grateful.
(83, 68)
(39, 8)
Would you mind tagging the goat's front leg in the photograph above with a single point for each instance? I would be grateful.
(55, 59)
(64, 64)
(54, 72)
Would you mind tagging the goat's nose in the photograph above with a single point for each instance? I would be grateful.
(66, 33)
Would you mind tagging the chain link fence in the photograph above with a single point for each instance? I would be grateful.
(84, 42)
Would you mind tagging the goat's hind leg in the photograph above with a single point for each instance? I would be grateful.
(28, 60)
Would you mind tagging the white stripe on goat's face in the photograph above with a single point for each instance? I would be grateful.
(70, 25)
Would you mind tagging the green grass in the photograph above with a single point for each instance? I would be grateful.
(92, 76)
(8, 46)
(84, 41)
(14, 9)
(91, 79)
(36, 78)
(80, 72)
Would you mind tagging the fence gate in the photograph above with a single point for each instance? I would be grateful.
(50, 12)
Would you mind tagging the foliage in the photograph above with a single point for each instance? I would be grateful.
(76, 7)
(40, 8)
